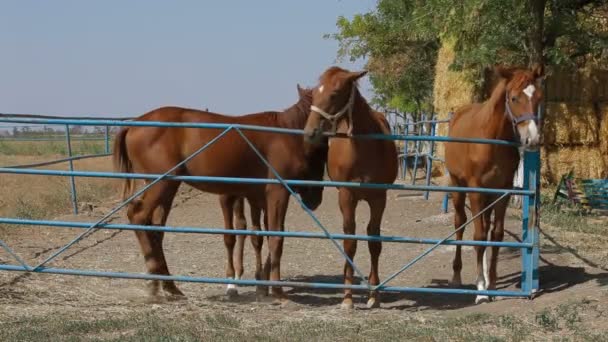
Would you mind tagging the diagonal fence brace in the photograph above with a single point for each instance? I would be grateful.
(430, 249)
(15, 255)
(95, 225)
(306, 209)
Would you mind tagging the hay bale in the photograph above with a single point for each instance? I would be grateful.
(571, 123)
(585, 161)
(452, 89)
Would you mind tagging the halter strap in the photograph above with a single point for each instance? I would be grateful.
(517, 120)
(333, 119)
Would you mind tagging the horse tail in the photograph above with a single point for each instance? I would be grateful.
(122, 163)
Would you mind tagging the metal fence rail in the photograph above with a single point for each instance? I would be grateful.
(529, 244)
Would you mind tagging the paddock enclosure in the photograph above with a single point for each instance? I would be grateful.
(409, 245)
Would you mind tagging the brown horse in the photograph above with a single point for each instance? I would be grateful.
(157, 149)
(507, 115)
(337, 101)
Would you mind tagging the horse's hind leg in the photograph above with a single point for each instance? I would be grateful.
(154, 208)
(376, 205)
(348, 205)
(240, 223)
(257, 242)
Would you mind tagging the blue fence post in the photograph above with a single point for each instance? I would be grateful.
(71, 165)
(530, 256)
(107, 139)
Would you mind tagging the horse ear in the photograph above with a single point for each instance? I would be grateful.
(538, 70)
(503, 72)
(301, 91)
(355, 75)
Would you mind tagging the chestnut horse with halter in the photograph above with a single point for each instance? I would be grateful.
(337, 101)
(507, 115)
(158, 149)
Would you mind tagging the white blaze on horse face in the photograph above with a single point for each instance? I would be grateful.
(529, 134)
(529, 91)
(321, 89)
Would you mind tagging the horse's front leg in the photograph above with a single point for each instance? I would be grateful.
(348, 205)
(376, 206)
(478, 202)
(277, 199)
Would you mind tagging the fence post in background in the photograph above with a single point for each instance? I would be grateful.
(429, 157)
(418, 129)
(107, 139)
(71, 165)
(405, 143)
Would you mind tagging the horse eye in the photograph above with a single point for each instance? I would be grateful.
(514, 99)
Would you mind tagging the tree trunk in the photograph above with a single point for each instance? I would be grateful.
(536, 32)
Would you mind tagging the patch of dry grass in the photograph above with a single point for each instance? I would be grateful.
(37, 197)
(571, 321)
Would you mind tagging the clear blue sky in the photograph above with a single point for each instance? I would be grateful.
(119, 57)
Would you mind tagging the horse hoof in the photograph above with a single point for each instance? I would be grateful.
(176, 297)
(455, 282)
(347, 305)
(482, 299)
(173, 291)
(261, 291)
(373, 303)
(154, 299)
(282, 302)
(232, 292)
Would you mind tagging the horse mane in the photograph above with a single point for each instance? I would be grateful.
(296, 115)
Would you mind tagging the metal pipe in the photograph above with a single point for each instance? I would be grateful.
(96, 174)
(251, 282)
(294, 234)
(252, 128)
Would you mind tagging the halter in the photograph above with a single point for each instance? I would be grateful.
(517, 120)
(333, 119)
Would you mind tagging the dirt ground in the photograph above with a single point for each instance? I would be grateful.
(564, 273)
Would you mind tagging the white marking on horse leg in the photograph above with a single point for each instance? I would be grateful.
(232, 289)
(529, 90)
(482, 280)
(486, 271)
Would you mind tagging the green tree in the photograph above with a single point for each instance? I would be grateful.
(400, 39)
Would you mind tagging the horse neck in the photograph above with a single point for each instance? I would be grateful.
(363, 117)
(295, 116)
(494, 120)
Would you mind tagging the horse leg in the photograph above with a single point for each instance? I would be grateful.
(376, 205)
(154, 208)
(227, 204)
(348, 206)
(497, 235)
(257, 242)
(460, 217)
(481, 234)
(240, 223)
(277, 199)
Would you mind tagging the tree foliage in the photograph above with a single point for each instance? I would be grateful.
(400, 40)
